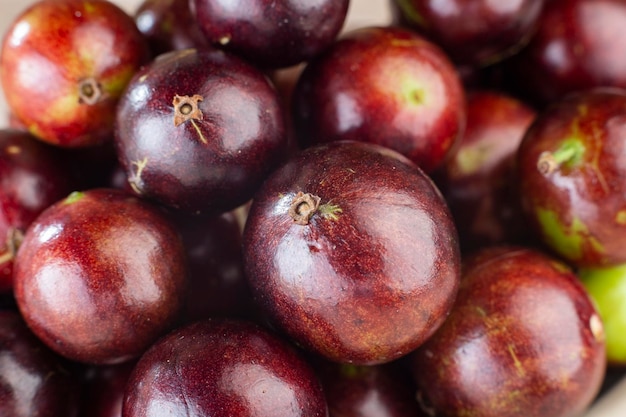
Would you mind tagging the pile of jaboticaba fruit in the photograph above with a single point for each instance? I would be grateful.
(216, 208)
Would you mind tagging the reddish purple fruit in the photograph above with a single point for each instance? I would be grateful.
(571, 168)
(34, 176)
(100, 275)
(351, 250)
(523, 339)
(387, 86)
(64, 65)
(34, 381)
(199, 130)
(271, 33)
(223, 368)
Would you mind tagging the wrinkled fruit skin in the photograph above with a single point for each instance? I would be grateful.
(571, 165)
(54, 47)
(100, 275)
(376, 269)
(271, 33)
(523, 339)
(223, 368)
(214, 160)
(34, 381)
(387, 86)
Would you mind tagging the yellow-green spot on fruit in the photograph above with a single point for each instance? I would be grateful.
(411, 14)
(353, 371)
(412, 93)
(620, 217)
(73, 197)
(607, 288)
(568, 240)
(518, 364)
(471, 158)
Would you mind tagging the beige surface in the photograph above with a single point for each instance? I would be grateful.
(362, 12)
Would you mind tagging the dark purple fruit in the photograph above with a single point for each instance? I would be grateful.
(34, 381)
(199, 130)
(271, 33)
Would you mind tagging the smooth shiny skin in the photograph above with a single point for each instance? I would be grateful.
(271, 33)
(100, 276)
(223, 368)
(374, 272)
(34, 381)
(523, 338)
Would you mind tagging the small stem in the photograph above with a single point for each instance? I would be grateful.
(303, 207)
(89, 91)
(186, 108)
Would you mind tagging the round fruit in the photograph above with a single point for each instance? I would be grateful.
(387, 86)
(271, 33)
(64, 65)
(351, 250)
(199, 130)
(100, 275)
(571, 167)
(223, 368)
(523, 339)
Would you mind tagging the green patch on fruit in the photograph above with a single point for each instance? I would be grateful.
(471, 158)
(353, 371)
(571, 152)
(74, 197)
(330, 211)
(620, 217)
(414, 95)
(568, 240)
(411, 14)
(607, 289)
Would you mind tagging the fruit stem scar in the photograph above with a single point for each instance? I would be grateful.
(570, 152)
(89, 91)
(303, 207)
(186, 108)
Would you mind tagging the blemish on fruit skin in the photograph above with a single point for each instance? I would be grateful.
(597, 328)
(568, 240)
(135, 178)
(518, 364)
(13, 150)
(620, 217)
(73, 197)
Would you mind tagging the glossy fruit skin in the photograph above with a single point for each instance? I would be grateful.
(212, 162)
(368, 391)
(473, 32)
(51, 50)
(524, 338)
(387, 86)
(34, 381)
(223, 368)
(570, 167)
(478, 177)
(217, 286)
(271, 33)
(607, 287)
(168, 25)
(102, 392)
(375, 270)
(577, 46)
(34, 176)
(100, 275)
